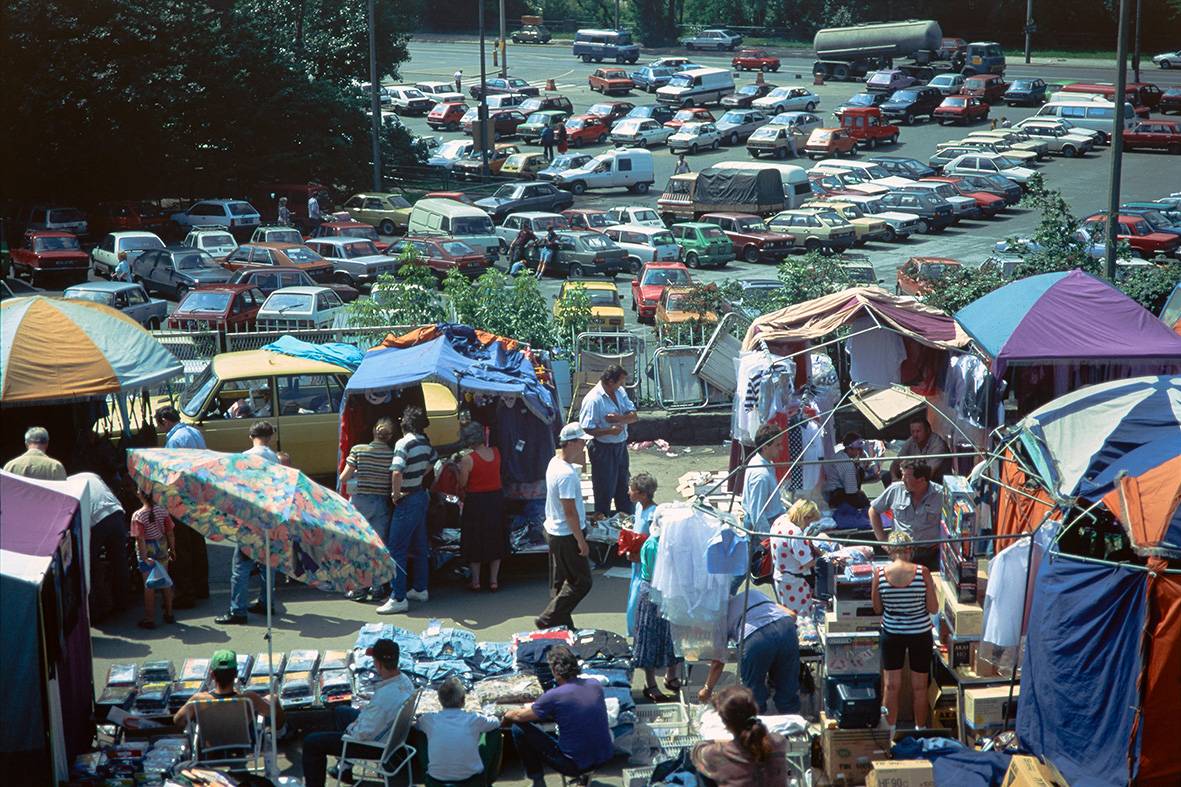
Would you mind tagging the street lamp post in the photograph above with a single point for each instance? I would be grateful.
(482, 112)
(374, 98)
(1117, 139)
(1135, 46)
(1028, 29)
(503, 45)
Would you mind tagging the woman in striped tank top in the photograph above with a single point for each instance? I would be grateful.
(903, 594)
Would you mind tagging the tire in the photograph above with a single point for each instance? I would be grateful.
(576, 271)
(1165, 64)
(153, 324)
(922, 227)
(840, 73)
(693, 149)
(598, 60)
(641, 188)
(576, 142)
(717, 144)
(753, 153)
(811, 244)
(651, 88)
(734, 138)
(894, 140)
(1069, 151)
(908, 119)
(578, 188)
(1175, 149)
(586, 58)
(891, 235)
(634, 265)
(810, 106)
(642, 143)
(873, 143)
(765, 69)
(750, 254)
(691, 260)
(387, 227)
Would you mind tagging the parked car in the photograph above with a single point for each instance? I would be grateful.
(861, 100)
(1170, 101)
(524, 166)
(702, 244)
(784, 99)
(912, 102)
(692, 137)
(689, 115)
(867, 127)
(935, 214)
(902, 167)
(755, 60)
(285, 255)
(773, 141)
(738, 124)
(750, 237)
(44, 255)
(57, 218)
(440, 92)
(561, 163)
(299, 308)
(744, 96)
(1170, 59)
(442, 255)
(236, 216)
(610, 81)
(1058, 139)
(347, 229)
(532, 34)
(175, 270)
(537, 221)
(648, 287)
(408, 100)
(964, 207)
(127, 297)
(506, 101)
(1154, 135)
(355, 261)
(516, 197)
(1096, 137)
(899, 224)
(600, 45)
(447, 115)
(803, 123)
(639, 132)
(116, 246)
(673, 310)
(582, 254)
(960, 109)
(1136, 232)
(887, 80)
(610, 111)
(450, 152)
(997, 185)
(865, 228)
(1010, 141)
(716, 38)
(947, 84)
(988, 164)
(830, 142)
(586, 129)
(15, 288)
(225, 308)
(503, 86)
(546, 103)
(917, 275)
(639, 215)
(504, 122)
(1025, 93)
(470, 166)
(124, 216)
(389, 213)
(949, 186)
(213, 239)
(605, 305)
(267, 280)
(644, 243)
(650, 78)
(675, 62)
(815, 229)
(629, 168)
(275, 234)
(989, 88)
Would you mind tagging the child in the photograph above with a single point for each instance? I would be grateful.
(151, 527)
(652, 646)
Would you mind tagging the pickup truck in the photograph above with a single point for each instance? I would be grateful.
(131, 299)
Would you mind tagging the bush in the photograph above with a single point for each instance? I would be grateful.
(572, 315)
(512, 308)
(408, 297)
(805, 278)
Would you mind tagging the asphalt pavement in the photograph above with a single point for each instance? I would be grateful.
(1083, 181)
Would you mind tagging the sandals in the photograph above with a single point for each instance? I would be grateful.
(474, 588)
(493, 587)
(673, 684)
(655, 695)
(146, 624)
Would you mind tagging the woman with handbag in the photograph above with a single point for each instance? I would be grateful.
(792, 557)
(652, 646)
(151, 527)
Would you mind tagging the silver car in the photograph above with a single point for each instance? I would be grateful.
(131, 299)
(356, 260)
(738, 124)
(717, 38)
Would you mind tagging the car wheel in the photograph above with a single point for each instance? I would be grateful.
(717, 144)
(641, 188)
(811, 106)
(753, 153)
(922, 226)
(908, 119)
(181, 292)
(890, 235)
(1166, 64)
(894, 140)
(1069, 151)
(691, 260)
(577, 271)
(872, 143)
(642, 143)
(693, 149)
(576, 142)
(586, 58)
(811, 244)
(153, 324)
(688, 46)
(734, 139)
(1175, 149)
(750, 254)
(387, 227)
(578, 187)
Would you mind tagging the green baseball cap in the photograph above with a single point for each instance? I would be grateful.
(223, 659)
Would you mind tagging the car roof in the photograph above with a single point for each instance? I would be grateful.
(176, 247)
(282, 246)
(667, 264)
(331, 240)
(583, 211)
(103, 286)
(248, 363)
(378, 194)
(303, 290)
(272, 227)
(943, 260)
(241, 286)
(595, 285)
(731, 215)
(60, 234)
(646, 229)
(198, 230)
(116, 235)
(537, 214)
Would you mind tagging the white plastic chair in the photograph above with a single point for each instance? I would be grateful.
(396, 753)
(226, 733)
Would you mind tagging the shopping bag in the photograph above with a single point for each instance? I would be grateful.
(158, 578)
(630, 541)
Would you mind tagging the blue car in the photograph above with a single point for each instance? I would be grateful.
(649, 78)
(661, 113)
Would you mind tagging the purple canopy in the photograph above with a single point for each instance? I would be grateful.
(32, 518)
(1066, 317)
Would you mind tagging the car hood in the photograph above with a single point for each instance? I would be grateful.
(603, 312)
(895, 215)
(207, 276)
(679, 316)
(493, 202)
(1019, 172)
(896, 104)
(651, 292)
(369, 259)
(61, 255)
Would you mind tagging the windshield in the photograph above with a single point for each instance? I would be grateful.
(661, 239)
(59, 215)
(934, 270)
(89, 295)
(676, 301)
(765, 133)
(288, 302)
(691, 129)
(712, 233)
(681, 80)
(282, 236)
(56, 244)
(644, 215)
(881, 77)
(662, 276)
(210, 241)
(603, 297)
(567, 162)
(750, 225)
(601, 109)
(861, 100)
(359, 249)
(358, 231)
(198, 391)
(905, 95)
(596, 219)
(536, 117)
(457, 248)
(1021, 84)
(198, 301)
(952, 101)
(412, 93)
(303, 254)
(506, 192)
(596, 242)
(748, 90)
(557, 222)
(1006, 163)
(627, 126)
(241, 209)
(574, 124)
(453, 149)
(734, 117)
(472, 225)
(397, 201)
(194, 261)
(779, 92)
(975, 84)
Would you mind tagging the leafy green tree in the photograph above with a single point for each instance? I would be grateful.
(514, 308)
(961, 286)
(572, 315)
(1150, 285)
(408, 297)
(808, 276)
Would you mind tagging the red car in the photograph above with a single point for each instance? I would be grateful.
(609, 81)
(348, 229)
(1154, 135)
(504, 123)
(1138, 234)
(989, 204)
(867, 126)
(442, 255)
(754, 60)
(446, 115)
(689, 115)
(960, 109)
(127, 215)
(649, 286)
(989, 88)
(588, 219)
(44, 254)
(610, 111)
(227, 308)
(917, 275)
(750, 237)
(586, 129)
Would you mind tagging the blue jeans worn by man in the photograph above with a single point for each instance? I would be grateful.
(610, 471)
(243, 567)
(319, 746)
(408, 545)
(772, 653)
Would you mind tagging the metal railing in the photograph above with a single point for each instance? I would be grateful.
(204, 345)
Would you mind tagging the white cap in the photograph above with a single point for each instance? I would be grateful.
(572, 431)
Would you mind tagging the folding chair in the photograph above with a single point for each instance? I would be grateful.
(226, 733)
(396, 753)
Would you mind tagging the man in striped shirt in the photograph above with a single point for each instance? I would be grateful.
(413, 458)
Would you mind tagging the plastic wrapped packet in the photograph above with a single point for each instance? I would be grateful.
(509, 689)
(335, 659)
(123, 675)
(263, 666)
(182, 692)
(296, 690)
(302, 660)
(335, 686)
(260, 684)
(245, 664)
(194, 669)
(157, 671)
(152, 699)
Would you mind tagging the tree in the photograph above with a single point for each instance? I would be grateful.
(807, 277)
(1150, 285)
(572, 315)
(512, 308)
(406, 298)
(962, 285)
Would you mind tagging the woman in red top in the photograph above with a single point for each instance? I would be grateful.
(151, 527)
(484, 538)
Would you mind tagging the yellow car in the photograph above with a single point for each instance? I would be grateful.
(606, 307)
(672, 311)
(865, 228)
(524, 165)
(390, 213)
(301, 398)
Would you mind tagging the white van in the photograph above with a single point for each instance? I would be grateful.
(1095, 115)
(796, 187)
(436, 216)
(629, 168)
(697, 87)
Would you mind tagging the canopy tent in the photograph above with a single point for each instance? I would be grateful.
(1065, 318)
(55, 350)
(1148, 501)
(47, 682)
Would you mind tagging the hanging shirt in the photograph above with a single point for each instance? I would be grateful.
(1005, 599)
(760, 496)
(686, 592)
(875, 356)
(728, 553)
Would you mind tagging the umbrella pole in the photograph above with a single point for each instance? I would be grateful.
(274, 758)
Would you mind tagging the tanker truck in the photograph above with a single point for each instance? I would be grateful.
(849, 53)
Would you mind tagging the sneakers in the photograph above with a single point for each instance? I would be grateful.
(417, 595)
(393, 606)
(230, 619)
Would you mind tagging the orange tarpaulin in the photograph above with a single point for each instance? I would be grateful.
(1018, 513)
(1146, 503)
(1160, 764)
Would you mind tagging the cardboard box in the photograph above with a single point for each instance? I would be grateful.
(965, 620)
(1026, 771)
(853, 608)
(901, 773)
(851, 753)
(944, 707)
(835, 625)
(959, 651)
(985, 707)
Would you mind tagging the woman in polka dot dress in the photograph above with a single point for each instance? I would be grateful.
(792, 558)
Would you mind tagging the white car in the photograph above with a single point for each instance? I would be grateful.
(718, 38)
(644, 243)
(214, 240)
(640, 132)
(440, 92)
(1095, 137)
(947, 84)
(291, 308)
(988, 164)
(1168, 59)
(692, 137)
(634, 215)
(231, 214)
(58, 219)
(450, 152)
(784, 99)
(120, 245)
(900, 224)
(803, 123)
(505, 100)
(537, 221)
(410, 100)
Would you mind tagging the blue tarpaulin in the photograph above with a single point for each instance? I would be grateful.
(1078, 682)
(338, 353)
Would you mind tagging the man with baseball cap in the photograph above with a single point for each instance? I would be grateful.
(224, 669)
(569, 554)
(371, 723)
(842, 479)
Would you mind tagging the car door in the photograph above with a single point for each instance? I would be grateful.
(309, 420)
(232, 434)
(136, 305)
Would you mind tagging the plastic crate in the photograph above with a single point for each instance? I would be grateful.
(637, 777)
(676, 744)
(663, 714)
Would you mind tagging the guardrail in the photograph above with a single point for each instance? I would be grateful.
(192, 346)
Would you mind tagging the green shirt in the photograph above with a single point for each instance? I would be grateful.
(648, 558)
(34, 463)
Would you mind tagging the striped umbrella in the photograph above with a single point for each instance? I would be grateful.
(52, 349)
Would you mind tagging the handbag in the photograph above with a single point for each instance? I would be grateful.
(158, 578)
(762, 563)
(630, 541)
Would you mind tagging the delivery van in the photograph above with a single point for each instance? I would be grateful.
(629, 168)
(796, 188)
(453, 219)
(697, 87)
(1094, 114)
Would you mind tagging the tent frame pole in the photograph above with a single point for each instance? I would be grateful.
(273, 761)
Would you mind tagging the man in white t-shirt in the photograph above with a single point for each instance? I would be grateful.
(565, 517)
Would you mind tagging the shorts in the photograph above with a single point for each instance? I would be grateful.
(895, 647)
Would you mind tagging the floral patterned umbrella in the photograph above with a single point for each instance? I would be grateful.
(316, 536)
